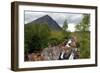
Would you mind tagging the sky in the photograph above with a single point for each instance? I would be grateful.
(72, 18)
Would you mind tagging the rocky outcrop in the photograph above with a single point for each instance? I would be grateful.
(51, 53)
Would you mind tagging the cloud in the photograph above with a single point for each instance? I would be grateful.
(75, 18)
(30, 16)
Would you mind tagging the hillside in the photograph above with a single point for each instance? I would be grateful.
(53, 25)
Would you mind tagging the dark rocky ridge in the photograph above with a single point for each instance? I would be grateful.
(47, 19)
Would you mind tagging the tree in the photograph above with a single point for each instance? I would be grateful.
(84, 24)
(65, 25)
(84, 36)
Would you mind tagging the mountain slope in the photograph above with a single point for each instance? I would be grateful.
(47, 19)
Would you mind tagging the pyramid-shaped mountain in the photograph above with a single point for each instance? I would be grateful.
(47, 19)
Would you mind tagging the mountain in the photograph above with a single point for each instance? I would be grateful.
(47, 19)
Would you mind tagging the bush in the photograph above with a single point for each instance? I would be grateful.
(36, 36)
(84, 41)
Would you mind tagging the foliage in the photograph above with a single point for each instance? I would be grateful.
(65, 25)
(84, 24)
(84, 42)
(36, 36)
(58, 37)
(84, 36)
(40, 36)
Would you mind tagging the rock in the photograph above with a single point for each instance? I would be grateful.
(51, 53)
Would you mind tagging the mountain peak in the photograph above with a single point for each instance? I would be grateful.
(46, 16)
(47, 19)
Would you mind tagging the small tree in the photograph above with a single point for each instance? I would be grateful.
(65, 25)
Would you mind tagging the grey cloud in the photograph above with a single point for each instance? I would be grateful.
(76, 19)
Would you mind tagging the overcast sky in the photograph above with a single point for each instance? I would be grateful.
(72, 18)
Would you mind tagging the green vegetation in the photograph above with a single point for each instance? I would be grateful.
(84, 36)
(36, 36)
(84, 25)
(40, 36)
(65, 25)
(84, 43)
(58, 37)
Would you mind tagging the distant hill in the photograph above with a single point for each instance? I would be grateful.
(47, 19)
